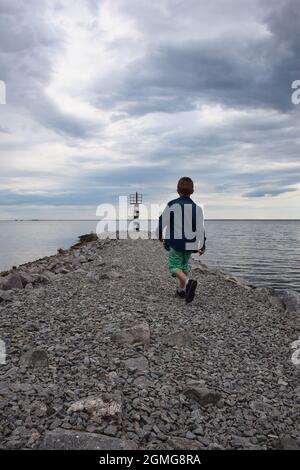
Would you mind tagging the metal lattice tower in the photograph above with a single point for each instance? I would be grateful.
(136, 199)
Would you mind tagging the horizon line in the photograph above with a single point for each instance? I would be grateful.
(99, 220)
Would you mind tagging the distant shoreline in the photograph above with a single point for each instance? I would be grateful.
(97, 220)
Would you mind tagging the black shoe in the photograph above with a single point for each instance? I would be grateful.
(180, 294)
(190, 290)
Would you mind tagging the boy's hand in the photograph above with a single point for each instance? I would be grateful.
(201, 251)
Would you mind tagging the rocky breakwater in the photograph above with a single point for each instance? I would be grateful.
(100, 354)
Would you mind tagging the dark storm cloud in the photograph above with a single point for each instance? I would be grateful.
(232, 70)
(241, 56)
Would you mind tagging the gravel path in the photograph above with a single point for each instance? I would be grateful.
(97, 343)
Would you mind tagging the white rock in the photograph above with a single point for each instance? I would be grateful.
(98, 408)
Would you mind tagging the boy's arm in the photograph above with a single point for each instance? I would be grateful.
(202, 249)
(200, 231)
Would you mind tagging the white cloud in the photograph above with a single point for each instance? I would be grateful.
(106, 96)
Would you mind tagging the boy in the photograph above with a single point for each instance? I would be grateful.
(183, 221)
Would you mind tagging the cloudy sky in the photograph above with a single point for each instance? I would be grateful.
(106, 97)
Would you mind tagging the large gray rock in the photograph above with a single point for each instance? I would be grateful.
(26, 278)
(4, 388)
(13, 281)
(287, 443)
(239, 281)
(270, 296)
(40, 278)
(60, 439)
(6, 295)
(138, 334)
(202, 394)
(263, 293)
(291, 299)
(277, 302)
(199, 267)
(35, 358)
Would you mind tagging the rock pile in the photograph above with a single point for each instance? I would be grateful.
(100, 354)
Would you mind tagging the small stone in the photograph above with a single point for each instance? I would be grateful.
(215, 446)
(111, 430)
(142, 382)
(199, 431)
(180, 339)
(282, 382)
(137, 363)
(103, 276)
(55, 424)
(69, 426)
(113, 376)
(91, 428)
(190, 435)
(40, 410)
(202, 395)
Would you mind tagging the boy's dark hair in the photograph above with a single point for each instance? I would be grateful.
(185, 186)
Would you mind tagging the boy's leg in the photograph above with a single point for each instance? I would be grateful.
(182, 278)
(185, 262)
(175, 268)
(182, 273)
(191, 285)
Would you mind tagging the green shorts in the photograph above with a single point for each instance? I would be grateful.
(178, 260)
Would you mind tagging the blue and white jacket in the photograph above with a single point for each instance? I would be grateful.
(181, 225)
